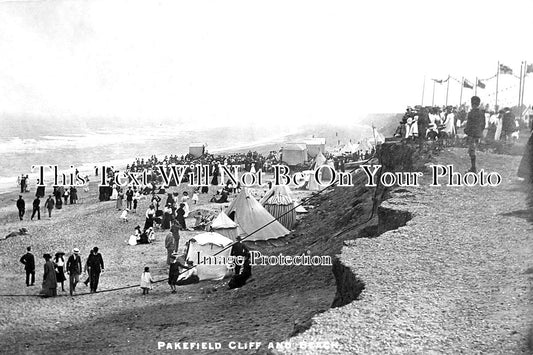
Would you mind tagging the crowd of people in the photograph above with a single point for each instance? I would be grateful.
(55, 268)
(445, 123)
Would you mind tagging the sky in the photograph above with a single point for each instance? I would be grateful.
(248, 62)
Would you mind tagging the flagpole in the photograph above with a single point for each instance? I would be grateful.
(433, 97)
(447, 89)
(497, 78)
(475, 88)
(461, 95)
(520, 87)
(423, 89)
(524, 82)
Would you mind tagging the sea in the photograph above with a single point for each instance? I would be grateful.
(84, 145)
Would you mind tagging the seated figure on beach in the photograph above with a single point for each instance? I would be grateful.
(220, 197)
(135, 237)
(188, 277)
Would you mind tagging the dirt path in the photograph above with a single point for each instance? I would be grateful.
(456, 279)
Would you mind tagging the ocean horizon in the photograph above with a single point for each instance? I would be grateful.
(23, 145)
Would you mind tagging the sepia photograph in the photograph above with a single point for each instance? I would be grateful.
(266, 177)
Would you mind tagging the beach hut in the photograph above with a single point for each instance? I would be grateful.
(197, 149)
(315, 146)
(279, 204)
(223, 225)
(208, 244)
(250, 215)
(294, 153)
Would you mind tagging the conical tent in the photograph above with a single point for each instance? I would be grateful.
(223, 225)
(279, 204)
(250, 216)
(204, 245)
(324, 174)
(319, 160)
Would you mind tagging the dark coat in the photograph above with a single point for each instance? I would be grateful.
(21, 205)
(475, 123)
(74, 264)
(29, 261)
(95, 262)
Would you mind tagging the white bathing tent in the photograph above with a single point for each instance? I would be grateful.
(223, 225)
(324, 173)
(205, 245)
(251, 216)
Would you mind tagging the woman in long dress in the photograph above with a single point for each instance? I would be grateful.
(49, 278)
(185, 200)
(150, 215)
(180, 216)
(114, 195)
(120, 198)
(167, 216)
(60, 273)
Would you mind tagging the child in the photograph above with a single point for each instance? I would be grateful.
(146, 280)
(124, 215)
(195, 197)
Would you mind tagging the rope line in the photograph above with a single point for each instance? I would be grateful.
(304, 201)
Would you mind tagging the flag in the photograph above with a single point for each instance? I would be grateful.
(437, 81)
(504, 69)
(467, 85)
(480, 84)
(529, 68)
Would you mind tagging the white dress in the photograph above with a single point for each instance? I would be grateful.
(184, 200)
(146, 280)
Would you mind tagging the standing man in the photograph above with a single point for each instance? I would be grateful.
(23, 184)
(95, 265)
(169, 245)
(74, 269)
(36, 208)
(49, 204)
(21, 206)
(129, 198)
(175, 230)
(29, 266)
(475, 124)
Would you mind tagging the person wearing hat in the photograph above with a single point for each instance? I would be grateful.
(169, 245)
(21, 206)
(29, 266)
(49, 278)
(59, 261)
(508, 124)
(49, 204)
(95, 265)
(180, 216)
(174, 271)
(475, 124)
(239, 249)
(74, 269)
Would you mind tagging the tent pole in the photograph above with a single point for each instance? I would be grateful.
(447, 89)
(520, 87)
(433, 96)
(461, 94)
(497, 79)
